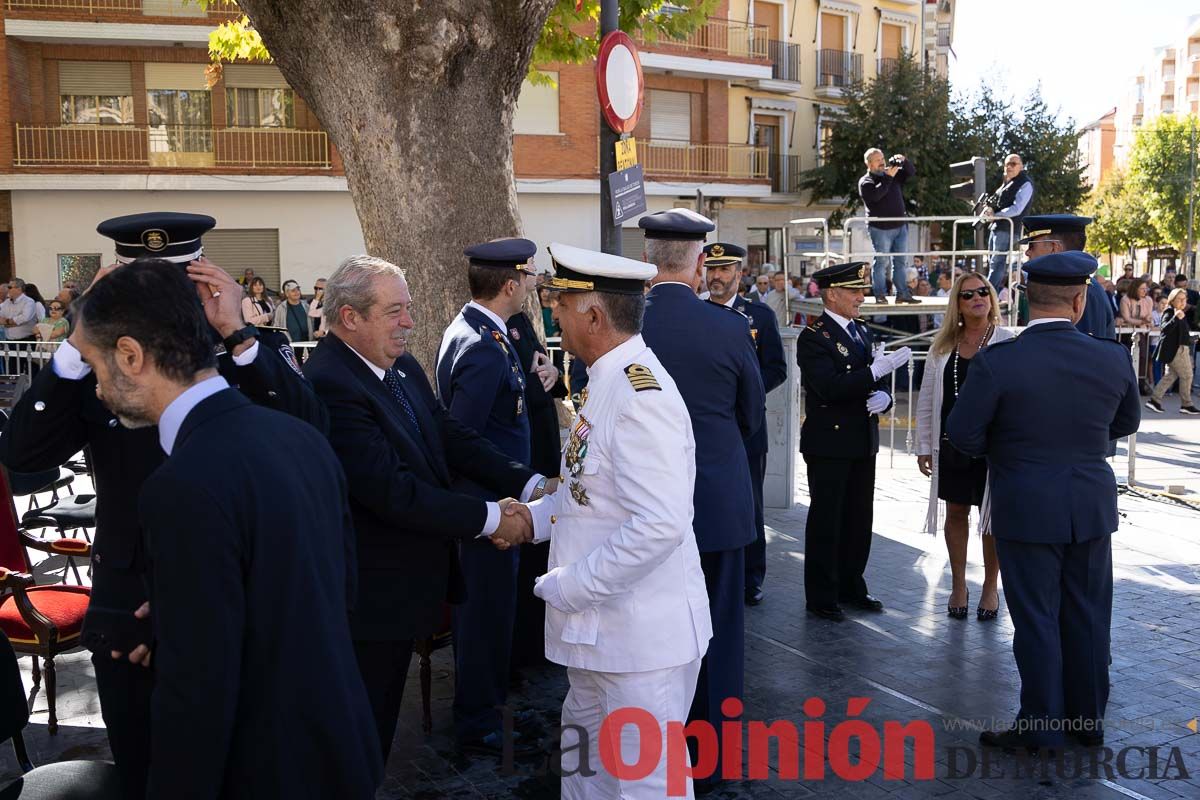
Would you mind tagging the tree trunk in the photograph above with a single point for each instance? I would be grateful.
(418, 98)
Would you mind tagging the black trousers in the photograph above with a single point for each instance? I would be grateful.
(756, 551)
(529, 628)
(722, 671)
(837, 535)
(384, 669)
(1060, 599)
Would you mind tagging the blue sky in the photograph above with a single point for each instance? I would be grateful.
(1084, 51)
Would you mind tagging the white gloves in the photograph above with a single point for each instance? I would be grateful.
(877, 402)
(546, 587)
(888, 363)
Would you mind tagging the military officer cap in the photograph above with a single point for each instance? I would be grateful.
(511, 253)
(677, 223)
(851, 275)
(158, 234)
(1069, 268)
(1045, 224)
(722, 254)
(579, 270)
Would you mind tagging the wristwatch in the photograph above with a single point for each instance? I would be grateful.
(237, 337)
(539, 490)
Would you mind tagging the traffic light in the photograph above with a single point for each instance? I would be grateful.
(970, 179)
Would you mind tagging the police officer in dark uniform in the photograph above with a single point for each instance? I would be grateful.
(482, 383)
(846, 391)
(1042, 408)
(60, 415)
(1059, 233)
(708, 351)
(723, 263)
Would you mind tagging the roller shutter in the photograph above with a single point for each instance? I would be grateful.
(246, 248)
(102, 78)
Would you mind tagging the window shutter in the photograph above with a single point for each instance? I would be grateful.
(248, 76)
(633, 242)
(670, 115)
(176, 76)
(537, 108)
(103, 78)
(235, 251)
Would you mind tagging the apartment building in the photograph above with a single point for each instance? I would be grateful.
(1096, 142)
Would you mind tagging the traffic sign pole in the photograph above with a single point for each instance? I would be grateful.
(610, 234)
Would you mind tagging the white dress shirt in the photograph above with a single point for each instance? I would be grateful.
(176, 412)
(69, 365)
(23, 313)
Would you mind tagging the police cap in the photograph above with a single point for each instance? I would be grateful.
(722, 254)
(158, 234)
(851, 275)
(1069, 268)
(1046, 224)
(677, 223)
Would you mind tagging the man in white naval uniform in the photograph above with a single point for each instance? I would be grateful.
(627, 611)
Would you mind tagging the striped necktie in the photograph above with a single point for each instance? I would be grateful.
(391, 379)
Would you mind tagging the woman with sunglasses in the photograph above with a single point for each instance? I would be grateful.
(971, 322)
(57, 320)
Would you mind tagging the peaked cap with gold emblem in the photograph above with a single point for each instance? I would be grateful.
(721, 254)
(851, 275)
(172, 236)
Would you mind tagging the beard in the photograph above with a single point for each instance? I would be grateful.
(121, 398)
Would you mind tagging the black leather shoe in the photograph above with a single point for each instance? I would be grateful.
(1088, 738)
(1009, 741)
(866, 603)
(754, 595)
(831, 613)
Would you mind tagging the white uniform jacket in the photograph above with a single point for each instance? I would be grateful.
(625, 592)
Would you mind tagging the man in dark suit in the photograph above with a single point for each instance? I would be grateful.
(401, 451)
(708, 351)
(60, 414)
(1059, 233)
(481, 383)
(1043, 407)
(721, 263)
(845, 394)
(250, 579)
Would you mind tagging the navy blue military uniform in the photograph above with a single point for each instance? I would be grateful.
(708, 352)
(57, 417)
(257, 691)
(772, 366)
(1042, 408)
(839, 440)
(481, 382)
(1098, 314)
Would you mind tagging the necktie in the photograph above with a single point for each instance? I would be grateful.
(392, 381)
(852, 329)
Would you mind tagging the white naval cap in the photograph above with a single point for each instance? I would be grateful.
(579, 270)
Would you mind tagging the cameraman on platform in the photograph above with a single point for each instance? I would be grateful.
(881, 192)
(1011, 202)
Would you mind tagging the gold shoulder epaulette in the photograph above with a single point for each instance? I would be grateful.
(641, 378)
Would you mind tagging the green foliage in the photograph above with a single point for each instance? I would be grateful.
(1159, 165)
(1121, 219)
(908, 112)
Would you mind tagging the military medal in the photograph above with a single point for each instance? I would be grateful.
(579, 493)
(499, 337)
(754, 334)
(520, 404)
(577, 446)
(841, 348)
(583, 398)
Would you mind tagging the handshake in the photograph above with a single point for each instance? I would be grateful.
(516, 525)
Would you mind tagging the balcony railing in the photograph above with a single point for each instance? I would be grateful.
(943, 35)
(838, 67)
(886, 67)
(149, 8)
(722, 37)
(784, 172)
(785, 60)
(664, 158)
(169, 146)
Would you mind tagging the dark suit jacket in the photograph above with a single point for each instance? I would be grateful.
(1043, 407)
(56, 418)
(406, 516)
(1098, 319)
(837, 377)
(772, 365)
(708, 352)
(251, 557)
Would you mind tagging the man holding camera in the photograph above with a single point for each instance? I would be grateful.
(1012, 203)
(881, 190)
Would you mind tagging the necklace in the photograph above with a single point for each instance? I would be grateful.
(987, 333)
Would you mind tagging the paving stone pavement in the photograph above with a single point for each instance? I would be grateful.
(911, 662)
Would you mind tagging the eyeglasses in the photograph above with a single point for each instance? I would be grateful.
(56, 308)
(318, 288)
(982, 291)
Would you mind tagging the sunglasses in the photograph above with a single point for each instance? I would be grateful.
(982, 291)
(318, 288)
(56, 308)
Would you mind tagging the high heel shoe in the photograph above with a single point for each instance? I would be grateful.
(957, 612)
(988, 614)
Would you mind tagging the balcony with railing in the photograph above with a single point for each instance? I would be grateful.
(785, 60)
(886, 67)
(837, 69)
(719, 48)
(784, 173)
(124, 8)
(663, 158)
(943, 35)
(170, 147)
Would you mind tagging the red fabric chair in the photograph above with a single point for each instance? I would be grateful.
(39, 620)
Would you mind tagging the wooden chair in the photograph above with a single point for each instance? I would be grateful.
(41, 621)
(424, 649)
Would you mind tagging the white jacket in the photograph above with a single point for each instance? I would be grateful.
(622, 550)
(929, 434)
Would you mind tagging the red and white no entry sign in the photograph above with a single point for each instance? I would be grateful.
(619, 82)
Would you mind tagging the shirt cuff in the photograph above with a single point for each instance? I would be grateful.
(530, 486)
(492, 523)
(68, 364)
(247, 357)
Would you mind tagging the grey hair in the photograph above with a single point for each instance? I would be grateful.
(350, 285)
(624, 311)
(17, 282)
(674, 255)
(867, 155)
